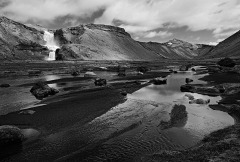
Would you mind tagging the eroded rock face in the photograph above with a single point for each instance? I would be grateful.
(41, 90)
(199, 101)
(19, 41)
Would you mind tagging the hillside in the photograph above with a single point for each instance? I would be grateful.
(230, 47)
(18, 41)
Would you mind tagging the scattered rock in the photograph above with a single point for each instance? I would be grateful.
(27, 112)
(75, 73)
(41, 90)
(187, 88)
(124, 93)
(226, 62)
(188, 80)
(11, 140)
(90, 74)
(34, 72)
(143, 69)
(189, 96)
(199, 101)
(100, 82)
(159, 81)
(183, 68)
(4, 85)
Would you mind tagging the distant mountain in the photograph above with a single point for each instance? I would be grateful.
(230, 47)
(88, 42)
(18, 41)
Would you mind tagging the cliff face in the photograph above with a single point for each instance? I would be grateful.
(18, 41)
(230, 47)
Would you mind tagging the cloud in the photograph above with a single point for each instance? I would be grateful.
(163, 34)
(216, 43)
(136, 16)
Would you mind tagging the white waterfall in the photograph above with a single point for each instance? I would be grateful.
(50, 44)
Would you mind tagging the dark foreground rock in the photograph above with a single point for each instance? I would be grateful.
(199, 101)
(41, 90)
(4, 85)
(188, 80)
(226, 62)
(11, 140)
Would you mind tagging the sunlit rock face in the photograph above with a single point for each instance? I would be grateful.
(51, 45)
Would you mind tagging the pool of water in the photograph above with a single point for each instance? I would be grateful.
(134, 127)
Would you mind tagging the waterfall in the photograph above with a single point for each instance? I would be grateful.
(50, 44)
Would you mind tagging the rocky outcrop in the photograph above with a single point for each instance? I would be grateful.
(41, 90)
(159, 81)
(100, 82)
(18, 41)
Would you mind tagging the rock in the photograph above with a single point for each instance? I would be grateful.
(178, 113)
(213, 91)
(199, 101)
(170, 70)
(90, 74)
(213, 69)
(122, 73)
(27, 112)
(143, 69)
(187, 88)
(75, 73)
(175, 72)
(137, 82)
(193, 69)
(189, 96)
(159, 81)
(11, 140)
(183, 68)
(59, 56)
(4, 85)
(139, 73)
(34, 72)
(188, 80)
(226, 62)
(124, 93)
(100, 82)
(41, 90)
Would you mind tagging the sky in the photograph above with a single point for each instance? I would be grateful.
(195, 21)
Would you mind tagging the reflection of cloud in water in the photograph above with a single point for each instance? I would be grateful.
(50, 78)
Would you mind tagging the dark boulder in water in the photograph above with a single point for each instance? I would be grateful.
(200, 101)
(178, 113)
(143, 69)
(187, 88)
(159, 81)
(41, 90)
(188, 80)
(100, 82)
(11, 140)
(4, 85)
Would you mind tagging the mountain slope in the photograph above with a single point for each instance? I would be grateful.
(101, 42)
(230, 47)
(18, 41)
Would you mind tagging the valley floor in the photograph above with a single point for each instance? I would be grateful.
(66, 121)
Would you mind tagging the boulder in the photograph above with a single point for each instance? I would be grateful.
(11, 140)
(34, 72)
(75, 73)
(175, 72)
(199, 101)
(183, 68)
(100, 82)
(4, 85)
(187, 88)
(27, 112)
(159, 81)
(188, 80)
(193, 69)
(142, 69)
(189, 96)
(226, 62)
(90, 74)
(124, 93)
(178, 113)
(41, 90)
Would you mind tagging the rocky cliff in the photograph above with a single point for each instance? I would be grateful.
(18, 41)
